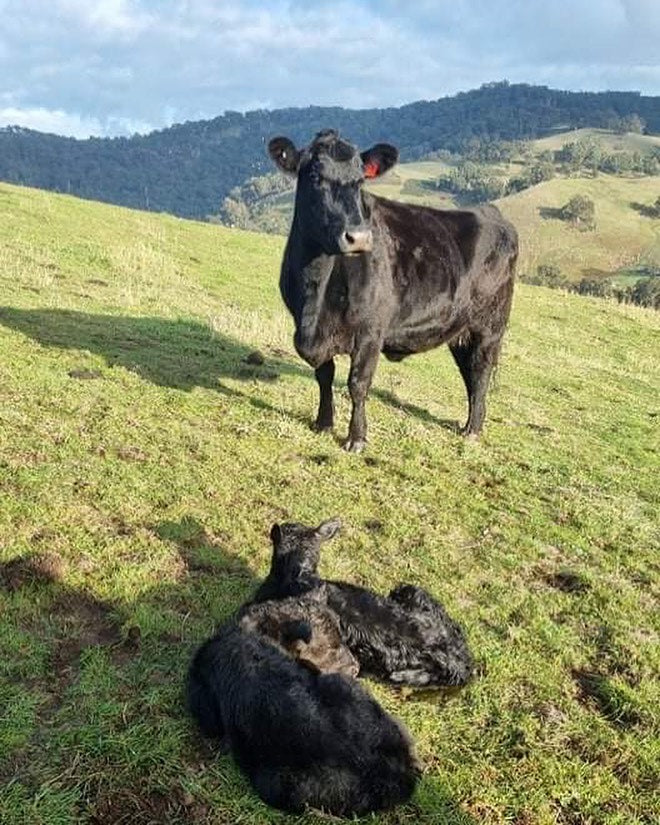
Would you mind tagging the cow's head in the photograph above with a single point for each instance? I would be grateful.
(330, 210)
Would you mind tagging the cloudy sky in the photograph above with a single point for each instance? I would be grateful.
(80, 67)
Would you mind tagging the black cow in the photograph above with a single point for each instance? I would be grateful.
(363, 275)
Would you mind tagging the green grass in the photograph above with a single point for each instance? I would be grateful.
(143, 460)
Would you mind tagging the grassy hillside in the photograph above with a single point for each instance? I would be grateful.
(623, 237)
(143, 460)
(628, 142)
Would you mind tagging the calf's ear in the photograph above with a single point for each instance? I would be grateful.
(275, 534)
(379, 159)
(284, 154)
(327, 529)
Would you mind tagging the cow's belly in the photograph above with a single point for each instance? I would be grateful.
(422, 332)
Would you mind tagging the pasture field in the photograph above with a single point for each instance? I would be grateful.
(628, 142)
(624, 236)
(145, 451)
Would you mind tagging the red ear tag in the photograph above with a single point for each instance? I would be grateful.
(371, 169)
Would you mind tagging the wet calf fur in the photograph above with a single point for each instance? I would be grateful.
(304, 738)
(306, 630)
(405, 638)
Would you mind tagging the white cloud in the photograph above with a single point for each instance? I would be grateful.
(50, 120)
(127, 64)
(59, 122)
(107, 17)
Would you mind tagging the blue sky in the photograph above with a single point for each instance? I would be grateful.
(110, 67)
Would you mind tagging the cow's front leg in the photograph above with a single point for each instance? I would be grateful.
(363, 366)
(325, 375)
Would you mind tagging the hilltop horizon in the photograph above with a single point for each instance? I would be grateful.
(146, 131)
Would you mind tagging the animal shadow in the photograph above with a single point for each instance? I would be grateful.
(182, 354)
(422, 414)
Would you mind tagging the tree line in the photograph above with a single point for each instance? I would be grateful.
(645, 291)
(190, 168)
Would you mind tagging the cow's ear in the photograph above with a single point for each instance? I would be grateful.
(284, 154)
(327, 529)
(275, 534)
(379, 159)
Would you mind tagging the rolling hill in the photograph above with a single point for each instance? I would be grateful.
(628, 142)
(189, 168)
(144, 455)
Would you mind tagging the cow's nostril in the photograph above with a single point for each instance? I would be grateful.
(356, 240)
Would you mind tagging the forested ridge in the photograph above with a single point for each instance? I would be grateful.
(188, 169)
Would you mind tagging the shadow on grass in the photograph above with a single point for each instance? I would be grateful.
(549, 213)
(182, 354)
(120, 696)
(101, 678)
(422, 414)
(647, 210)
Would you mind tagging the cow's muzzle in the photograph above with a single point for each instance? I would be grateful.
(356, 240)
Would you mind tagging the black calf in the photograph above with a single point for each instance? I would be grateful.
(406, 638)
(303, 738)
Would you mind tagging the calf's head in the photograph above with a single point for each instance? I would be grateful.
(296, 551)
(306, 631)
(330, 211)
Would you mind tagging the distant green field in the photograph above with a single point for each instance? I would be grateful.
(623, 237)
(144, 457)
(629, 142)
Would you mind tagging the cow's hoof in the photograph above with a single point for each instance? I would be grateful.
(468, 433)
(355, 446)
(322, 427)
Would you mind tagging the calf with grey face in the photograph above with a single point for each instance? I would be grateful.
(363, 275)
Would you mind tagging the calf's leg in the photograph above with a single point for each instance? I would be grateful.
(325, 375)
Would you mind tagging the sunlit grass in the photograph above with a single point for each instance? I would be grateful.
(143, 458)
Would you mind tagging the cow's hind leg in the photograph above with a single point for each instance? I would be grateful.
(475, 362)
(325, 375)
(476, 353)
